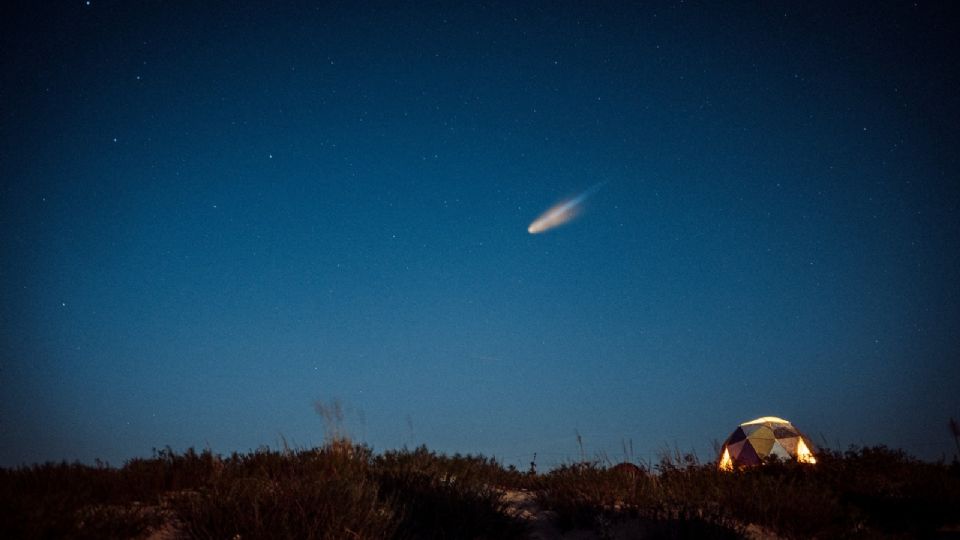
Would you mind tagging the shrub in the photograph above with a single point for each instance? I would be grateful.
(446, 497)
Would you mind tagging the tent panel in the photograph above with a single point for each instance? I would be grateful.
(737, 435)
(777, 449)
(736, 448)
(762, 446)
(748, 456)
(782, 432)
(789, 444)
(763, 432)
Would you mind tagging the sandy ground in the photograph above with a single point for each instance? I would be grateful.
(522, 504)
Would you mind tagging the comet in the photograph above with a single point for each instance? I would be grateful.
(561, 213)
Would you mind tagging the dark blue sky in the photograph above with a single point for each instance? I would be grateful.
(213, 215)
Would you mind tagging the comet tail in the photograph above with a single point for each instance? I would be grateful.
(561, 213)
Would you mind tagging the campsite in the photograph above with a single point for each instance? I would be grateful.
(479, 270)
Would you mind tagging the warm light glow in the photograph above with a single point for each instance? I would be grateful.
(763, 419)
(726, 464)
(804, 455)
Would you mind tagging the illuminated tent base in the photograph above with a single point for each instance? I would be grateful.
(757, 440)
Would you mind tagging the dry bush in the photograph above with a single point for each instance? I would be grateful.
(447, 497)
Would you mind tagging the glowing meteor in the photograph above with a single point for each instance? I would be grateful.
(561, 213)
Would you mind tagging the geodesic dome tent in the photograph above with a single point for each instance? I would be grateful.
(754, 441)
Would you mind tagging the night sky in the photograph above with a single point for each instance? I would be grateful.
(213, 215)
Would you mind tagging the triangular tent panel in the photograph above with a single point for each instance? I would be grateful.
(736, 447)
(763, 432)
(782, 432)
(738, 435)
(778, 450)
(790, 443)
(762, 446)
(746, 456)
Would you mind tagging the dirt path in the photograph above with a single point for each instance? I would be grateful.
(522, 505)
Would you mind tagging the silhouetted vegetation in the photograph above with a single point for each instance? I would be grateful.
(863, 492)
(341, 490)
(447, 497)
